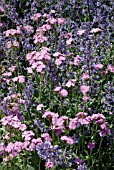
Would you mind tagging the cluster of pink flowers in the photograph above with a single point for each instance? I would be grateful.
(98, 66)
(71, 83)
(20, 79)
(110, 68)
(36, 16)
(61, 91)
(77, 60)
(49, 164)
(13, 122)
(37, 59)
(12, 32)
(84, 89)
(13, 149)
(60, 58)
(82, 119)
(10, 44)
(58, 124)
(67, 139)
(46, 137)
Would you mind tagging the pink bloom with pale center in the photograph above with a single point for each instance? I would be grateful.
(21, 79)
(98, 66)
(49, 164)
(110, 68)
(39, 107)
(96, 30)
(71, 83)
(85, 76)
(84, 89)
(81, 32)
(64, 92)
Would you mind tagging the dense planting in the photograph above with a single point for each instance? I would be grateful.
(57, 90)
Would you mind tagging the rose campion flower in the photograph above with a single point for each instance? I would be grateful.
(84, 89)
(91, 145)
(64, 92)
(81, 32)
(39, 107)
(110, 68)
(21, 79)
(49, 164)
(96, 30)
(98, 66)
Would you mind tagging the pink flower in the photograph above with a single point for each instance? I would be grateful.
(7, 74)
(52, 20)
(71, 83)
(21, 79)
(82, 114)
(12, 68)
(9, 44)
(39, 107)
(85, 76)
(58, 62)
(91, 145)
(110, 68)
(76, 60)
(81, 32)
(61, 20)
(96, 30)
(15, 43)
(102, 133)
(28, 28)
(86, 98)
(49, 164)
(29, 70)
(36, 17)
(98, 66)
(69, 41)
(64, 92)
(46, 137)
(84, 89)
(57, 89)
(67, 139)
(1, 9)
(73, 123)
(27, 135)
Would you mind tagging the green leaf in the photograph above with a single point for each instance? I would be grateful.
(30, 167)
